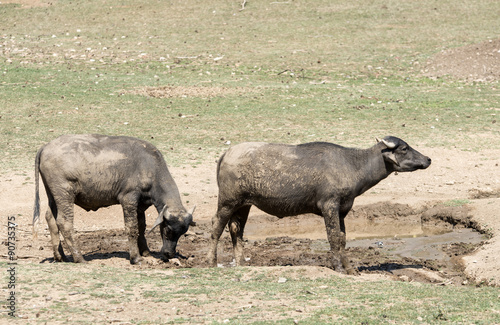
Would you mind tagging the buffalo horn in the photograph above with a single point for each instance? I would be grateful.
(159, 219)
(390, 145)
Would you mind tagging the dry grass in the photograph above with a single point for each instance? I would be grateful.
(184, 92)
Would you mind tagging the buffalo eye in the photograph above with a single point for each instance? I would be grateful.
(404, 150)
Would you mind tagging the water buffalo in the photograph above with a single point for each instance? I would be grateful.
(286, 180)
(95, 171)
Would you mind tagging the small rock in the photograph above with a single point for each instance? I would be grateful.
(175, 261)
(404, 278)
(282, 280)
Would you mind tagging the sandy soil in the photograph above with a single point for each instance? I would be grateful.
(476, 62)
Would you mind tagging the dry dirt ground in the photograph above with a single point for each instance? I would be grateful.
(477, 62)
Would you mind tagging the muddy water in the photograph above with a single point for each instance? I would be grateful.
(420, 247)
(393, 229)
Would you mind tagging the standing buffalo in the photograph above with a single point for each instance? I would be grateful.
(95, 171)
(286, 180)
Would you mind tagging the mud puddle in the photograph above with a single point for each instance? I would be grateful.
(408, 244)
(423, 245)
(394, 229)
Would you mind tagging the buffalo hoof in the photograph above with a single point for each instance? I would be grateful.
(146, 253)
(59, 255)
(79, 259)
(348, 270)
(211, 260)
(167, 256)
(82, 261)
(58, 258)
(341, 264)
(136, 260)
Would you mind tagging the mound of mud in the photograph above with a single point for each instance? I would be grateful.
(442, 217)
(478, 62)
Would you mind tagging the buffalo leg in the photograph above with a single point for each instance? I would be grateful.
(141, 241)
(345, 261)
(335, 231)
(55, 239)
(236, 228)
(132, 228)
(219, 222)
(64, 222)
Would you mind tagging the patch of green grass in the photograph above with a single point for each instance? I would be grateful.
(242, 294)
(457, 202)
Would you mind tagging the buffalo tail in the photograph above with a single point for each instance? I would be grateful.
(36, 208)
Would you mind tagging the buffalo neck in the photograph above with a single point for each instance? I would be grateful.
(168, 194)
(372, 168)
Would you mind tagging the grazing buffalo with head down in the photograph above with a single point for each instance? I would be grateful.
(95, 171)
(286, 180)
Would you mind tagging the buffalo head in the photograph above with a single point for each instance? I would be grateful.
(400, 157)
(172, 227)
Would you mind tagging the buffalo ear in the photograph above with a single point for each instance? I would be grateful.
(159, 220)
(390, 156)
